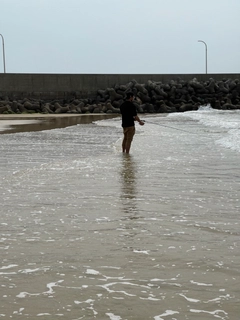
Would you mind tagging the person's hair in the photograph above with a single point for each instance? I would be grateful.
(129, 95)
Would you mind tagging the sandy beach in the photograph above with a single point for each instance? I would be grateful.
(90, 233)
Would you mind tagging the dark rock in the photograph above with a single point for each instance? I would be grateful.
(97, 110)
(186, 107)
(4, 109)
(159, 91)
(153, 96)
(211, 86)
(85, 109)
(141, 88)
(117, 104)
(144, 97)
(47, 108)
(222, 87)
(21, 108)
(151, 108)
(62, 109)
(72, 108)
(102, 93)
(15, 106)
(114, 95)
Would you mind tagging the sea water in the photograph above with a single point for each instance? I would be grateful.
(90, 233)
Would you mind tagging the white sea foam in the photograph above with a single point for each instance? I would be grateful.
(5, 273)
(32, 270)
(92, 271)
(113, 316)
(215, 312)
(51, 285)
(141, 251)
(201, 283)
(224, 123)
(106, 286)
(166, 314)
(90, 301)
(189, 299)
(8, 267)
(26, 294)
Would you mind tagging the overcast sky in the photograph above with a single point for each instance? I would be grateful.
(120, 36)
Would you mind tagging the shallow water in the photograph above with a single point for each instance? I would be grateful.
(89, 233)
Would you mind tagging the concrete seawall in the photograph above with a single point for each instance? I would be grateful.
(60, 86)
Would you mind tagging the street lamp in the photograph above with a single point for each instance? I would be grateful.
(206, 52)
(4, 64)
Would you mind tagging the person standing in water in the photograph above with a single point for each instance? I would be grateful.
(129, 115)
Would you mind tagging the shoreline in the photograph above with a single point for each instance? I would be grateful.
(38, 122)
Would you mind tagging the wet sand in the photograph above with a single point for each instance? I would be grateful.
(37, 122)
(89, 233)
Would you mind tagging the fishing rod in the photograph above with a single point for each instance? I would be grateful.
(162, 125)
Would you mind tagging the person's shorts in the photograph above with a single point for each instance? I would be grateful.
(129, 133)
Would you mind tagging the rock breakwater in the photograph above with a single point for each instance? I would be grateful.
(151, 97)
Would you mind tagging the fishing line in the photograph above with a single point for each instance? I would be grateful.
(162, 125)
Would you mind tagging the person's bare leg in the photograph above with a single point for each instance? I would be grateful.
(124, 141)
(127, 149)
(127, 140)
(124, 145)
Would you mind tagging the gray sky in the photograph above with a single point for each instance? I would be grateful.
(120, 36)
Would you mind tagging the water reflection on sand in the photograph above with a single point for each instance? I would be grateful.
(128, 187)
(39, 122)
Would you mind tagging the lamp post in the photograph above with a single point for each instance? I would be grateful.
(4, 64)
(206, 52)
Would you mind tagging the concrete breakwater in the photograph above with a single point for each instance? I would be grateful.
(152, 96)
